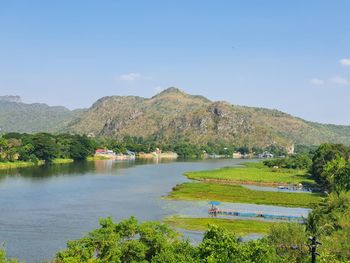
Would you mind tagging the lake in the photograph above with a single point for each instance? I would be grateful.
(41, 208)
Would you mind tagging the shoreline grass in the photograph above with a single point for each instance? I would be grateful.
(97, 158)
(239, 194)
(62, 161)
(237, 226)
(17, 164)
(22, 164)
(250, 173)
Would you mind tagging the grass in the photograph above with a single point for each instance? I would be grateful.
(237, 226)
(21, 164)
(239, 194)
(17, 164)
(252, 172)
(94, 158)
(62, 161)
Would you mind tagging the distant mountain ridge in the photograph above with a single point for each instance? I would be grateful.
(11, 98)
(172, 114)
(16, 116)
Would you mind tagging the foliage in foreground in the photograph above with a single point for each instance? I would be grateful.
(130, 241)
(329, 221)
(5, 259)
(331, 167)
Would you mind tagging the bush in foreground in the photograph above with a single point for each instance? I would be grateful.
(131, 241)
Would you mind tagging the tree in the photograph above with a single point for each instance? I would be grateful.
(130, 241)
(324, 154)
(4, 146)
(220, 246)
(329, 221)
(80, 147)
(45, 147)
(336, 175)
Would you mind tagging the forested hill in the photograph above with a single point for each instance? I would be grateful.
(21, 117)
(173, 114)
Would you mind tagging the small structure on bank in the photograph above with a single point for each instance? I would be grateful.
(214, 211)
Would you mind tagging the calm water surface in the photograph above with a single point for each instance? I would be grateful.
(42, 208)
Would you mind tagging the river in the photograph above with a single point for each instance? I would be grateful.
(41, 208)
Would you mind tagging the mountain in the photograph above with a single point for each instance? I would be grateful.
(173, 113)
(11, 98)
(16, 116)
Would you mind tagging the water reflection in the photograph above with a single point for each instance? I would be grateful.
(43, 207)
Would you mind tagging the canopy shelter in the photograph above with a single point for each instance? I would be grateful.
(213, 204)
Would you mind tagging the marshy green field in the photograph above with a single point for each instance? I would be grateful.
(237, 226)
(240, 194)
(252, 173)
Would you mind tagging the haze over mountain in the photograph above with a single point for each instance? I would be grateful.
(173, 113)
(16, 116)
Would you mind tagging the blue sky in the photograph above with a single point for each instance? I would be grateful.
(290, 55)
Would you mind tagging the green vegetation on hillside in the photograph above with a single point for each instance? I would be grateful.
(253, 172)
(173, 113)
(16, 116)
(240, 194)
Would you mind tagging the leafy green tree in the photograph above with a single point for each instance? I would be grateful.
(299, 161)
(45, 147)
(221, 247)
(4, 146)
(336, 175)
(80, 147)
(243, 150)
(178, 252)
(324, 154)
(129, 241)
(276, 150)
(329, 221)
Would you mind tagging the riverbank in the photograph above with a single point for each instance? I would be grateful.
(239, 194)
(236, 226)
(252, 173)
(155, 155)
(20, 164)
(13, 165)
(97, 158)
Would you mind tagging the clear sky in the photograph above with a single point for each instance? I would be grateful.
(290, 55)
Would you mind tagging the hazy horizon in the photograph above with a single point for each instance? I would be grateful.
(291, 56)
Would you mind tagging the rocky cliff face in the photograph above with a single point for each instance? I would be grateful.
(173, 113)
